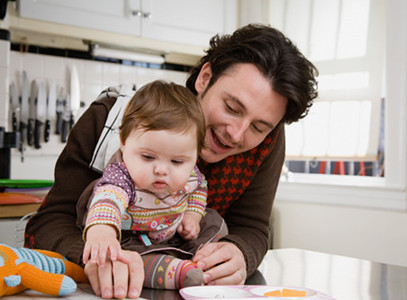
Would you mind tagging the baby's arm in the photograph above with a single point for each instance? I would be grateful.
(189, 228)
(101, 242)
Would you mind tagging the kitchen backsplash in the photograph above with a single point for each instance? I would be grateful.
(94, 76)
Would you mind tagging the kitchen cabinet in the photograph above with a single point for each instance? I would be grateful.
(182, 21)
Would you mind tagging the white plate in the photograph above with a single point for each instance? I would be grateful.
(240, 292)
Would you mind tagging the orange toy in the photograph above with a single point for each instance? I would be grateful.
(44, 271)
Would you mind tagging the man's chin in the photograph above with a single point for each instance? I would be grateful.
(212, 157)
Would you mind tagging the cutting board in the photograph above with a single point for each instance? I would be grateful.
(15, 205)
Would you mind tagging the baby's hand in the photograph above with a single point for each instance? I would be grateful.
(101, 241)
(189, 228)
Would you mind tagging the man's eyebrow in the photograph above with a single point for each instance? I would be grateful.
(243, 107)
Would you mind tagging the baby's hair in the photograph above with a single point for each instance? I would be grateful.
(161, 105)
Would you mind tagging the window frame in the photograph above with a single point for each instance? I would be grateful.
(388, 192)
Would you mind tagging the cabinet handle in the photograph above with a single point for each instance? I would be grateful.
(136, 13)
(147, 15)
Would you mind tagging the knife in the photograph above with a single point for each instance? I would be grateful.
(15, 106)
(74, 95)
(66, 119)
(51, 109)
(31, 113)
(41, 114)
(59, 110)
(24, 107)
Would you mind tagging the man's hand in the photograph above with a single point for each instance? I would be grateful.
(117, 279)
(223, 263)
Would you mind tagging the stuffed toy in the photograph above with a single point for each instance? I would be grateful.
(43, 271)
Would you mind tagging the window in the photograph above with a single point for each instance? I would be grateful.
(359, 48)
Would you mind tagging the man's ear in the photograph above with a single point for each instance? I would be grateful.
(203, 78)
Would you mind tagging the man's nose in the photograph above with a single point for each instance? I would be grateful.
(238, 130)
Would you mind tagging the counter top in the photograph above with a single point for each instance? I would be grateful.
(342, 278)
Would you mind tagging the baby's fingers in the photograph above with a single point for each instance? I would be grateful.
(94, 255)
(85, 255)
(102, 256)
(122, 257)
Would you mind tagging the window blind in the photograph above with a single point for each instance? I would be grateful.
(345, 39)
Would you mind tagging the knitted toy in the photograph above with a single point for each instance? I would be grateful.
(44, 271)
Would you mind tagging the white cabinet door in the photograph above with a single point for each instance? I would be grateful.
(183, 21)
(119, 16)
(187, 21)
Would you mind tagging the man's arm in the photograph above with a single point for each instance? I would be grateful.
(54, 226)
(240, 253)
(248, 218)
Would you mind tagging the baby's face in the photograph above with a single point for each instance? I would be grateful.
(160, 161)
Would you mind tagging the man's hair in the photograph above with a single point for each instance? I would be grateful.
(160, 105)
(276, 57)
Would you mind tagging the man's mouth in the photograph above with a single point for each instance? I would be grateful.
(217, 144)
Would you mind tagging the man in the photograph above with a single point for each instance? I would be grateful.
(249, 83)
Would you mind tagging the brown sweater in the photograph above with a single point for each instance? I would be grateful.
(247, 212)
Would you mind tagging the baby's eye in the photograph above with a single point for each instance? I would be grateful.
(177, 162)
(148, 157)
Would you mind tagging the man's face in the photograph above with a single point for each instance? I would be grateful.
(240, 109)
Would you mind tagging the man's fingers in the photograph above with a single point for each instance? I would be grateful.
(204, 252)
(226, 273)
(121, 277)
(91, 271)
(220, 273)
(211, 255)
(235, 278)
(105, 280)
(136, 277)
(222, 262)
(117, 279)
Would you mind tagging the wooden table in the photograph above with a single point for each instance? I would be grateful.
(340, 277)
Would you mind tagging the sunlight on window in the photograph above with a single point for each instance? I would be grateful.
(344, 133)
(316, 131)
(350, 81)
(344, 39)
(339, 29)
(324, 30)
(334, 130)
(343, 81)
(352, 36)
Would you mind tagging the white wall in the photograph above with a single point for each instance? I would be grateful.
(94, 77)
(371, 234)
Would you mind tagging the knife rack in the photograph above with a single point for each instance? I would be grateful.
(8, 140)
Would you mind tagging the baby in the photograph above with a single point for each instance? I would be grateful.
(154, 187)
